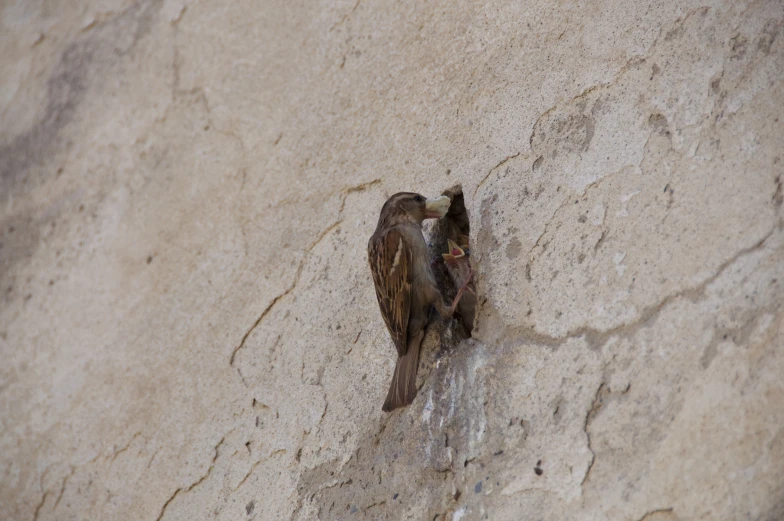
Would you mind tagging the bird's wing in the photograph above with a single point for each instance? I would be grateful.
(392, 267)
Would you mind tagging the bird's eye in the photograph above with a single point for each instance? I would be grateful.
(419, 198)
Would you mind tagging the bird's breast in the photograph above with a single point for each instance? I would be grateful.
(423, 278)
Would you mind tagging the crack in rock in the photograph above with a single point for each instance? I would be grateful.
(288, 290)
(496, 167)
(251, 471)
(602, 392)
(597, 338)
(625, 68)
(62, 488)
(345, 192)
(345, 16)
(300, 268)
(595, 405)
(654, 512)
(40, 505)
(195, 483)
(126, 447)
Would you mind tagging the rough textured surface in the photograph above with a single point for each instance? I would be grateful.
(188, 326)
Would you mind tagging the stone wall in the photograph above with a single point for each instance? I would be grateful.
(188, 325)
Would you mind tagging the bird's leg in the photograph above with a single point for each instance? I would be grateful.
(457, 299)
(462, 289)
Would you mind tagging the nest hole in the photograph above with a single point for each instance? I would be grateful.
(454, 226)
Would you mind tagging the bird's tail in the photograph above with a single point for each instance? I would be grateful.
(403, 389)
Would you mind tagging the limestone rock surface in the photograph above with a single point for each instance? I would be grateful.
(188, 325)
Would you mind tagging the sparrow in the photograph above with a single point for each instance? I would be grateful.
(405, 285)
(458, 265)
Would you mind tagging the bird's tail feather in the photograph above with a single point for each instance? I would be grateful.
(403, 389)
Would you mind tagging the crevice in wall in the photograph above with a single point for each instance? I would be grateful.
(452, 272)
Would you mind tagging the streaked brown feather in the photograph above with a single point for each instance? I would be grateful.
(393, 282)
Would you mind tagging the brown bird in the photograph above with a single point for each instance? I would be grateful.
(405, 285)
(458, 265)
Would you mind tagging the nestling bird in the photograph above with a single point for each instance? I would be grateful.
(405, 285)
(458, 265)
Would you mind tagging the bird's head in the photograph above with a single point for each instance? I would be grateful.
(410, 207)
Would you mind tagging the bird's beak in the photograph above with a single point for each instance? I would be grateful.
(455, 251)
(437, 207)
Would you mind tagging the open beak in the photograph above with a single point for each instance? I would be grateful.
(455, 251)
(437, 207)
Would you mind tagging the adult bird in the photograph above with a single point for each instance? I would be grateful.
(405, 285)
